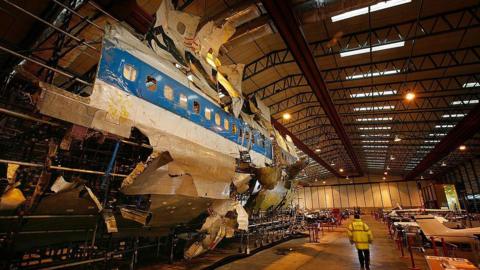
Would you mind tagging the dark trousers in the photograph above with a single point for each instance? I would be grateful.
(364, 257)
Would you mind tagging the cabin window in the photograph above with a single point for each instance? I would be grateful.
(218, 120)
(151, 83)
(253, 138)
(240, 134)
(234, 128)
(226, 124)
(208, 113)
(183, 101)
(247, 135)
(261, 139)
(129, 72)
(196, 107)
(168, 92)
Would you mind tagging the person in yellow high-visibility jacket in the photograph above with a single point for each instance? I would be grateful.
(360, 234)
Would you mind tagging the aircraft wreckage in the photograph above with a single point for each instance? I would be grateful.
(205, 144)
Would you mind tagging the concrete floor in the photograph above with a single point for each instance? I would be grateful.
(333, 252)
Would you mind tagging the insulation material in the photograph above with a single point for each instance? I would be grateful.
(179, 26)
(61, 185)
(243, 16)
(11, 199)
(210, 37)
(12, 172)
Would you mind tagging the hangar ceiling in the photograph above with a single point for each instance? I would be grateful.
(368, 64)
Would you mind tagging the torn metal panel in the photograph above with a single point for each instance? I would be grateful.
(219, 224)
(136, 215)
(269, 176)
(210, 37)
(241, 181)
(11, 199)
(61, 185)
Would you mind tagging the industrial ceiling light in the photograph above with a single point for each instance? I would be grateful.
(286, 116)
(316, 180)
(388, 168)
(430, 172)
(421, 177)
(462, 147)
(373, 49)
(443, 164)
(374, 108)
(332, 164)
(324, 182)
(471, 84)
(373, 74)
(373, 94)
(397, 138)
(453, 115)
(392, 157)
(384, 178)
(410, 96)
(341, 170)
(465, 102)
(317, 150)
(385, 173)
(365, 10)
(346, 177)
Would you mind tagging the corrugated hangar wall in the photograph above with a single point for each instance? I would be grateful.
(365, 195)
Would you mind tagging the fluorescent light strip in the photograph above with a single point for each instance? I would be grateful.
(427, 146)
(465, 102)
(444, 126)
(374, 94)
(437, 134)
(373, 74)
(375, 141)
(374, 108)
(471, 84)
(374, 119)
(374, 49)
(375, 146)
(374, 128)
(432, 141)
(364, 10)
(374, 135)
(374, 151)
(454, 115)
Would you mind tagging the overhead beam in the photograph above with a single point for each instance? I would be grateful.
(463, 131)
(282, 15)
(284, 131)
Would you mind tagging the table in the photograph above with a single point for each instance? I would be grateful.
(446, 263)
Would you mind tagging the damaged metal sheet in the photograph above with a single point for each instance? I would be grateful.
(136, 215)
(11, 199)
(225, 217)
(269, 176)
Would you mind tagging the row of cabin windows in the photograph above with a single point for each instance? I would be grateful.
(130, 73)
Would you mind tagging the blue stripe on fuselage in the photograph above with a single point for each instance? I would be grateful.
(111, 68)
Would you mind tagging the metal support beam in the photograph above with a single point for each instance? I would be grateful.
(284, 19)
(304, 148)
(463, 131)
